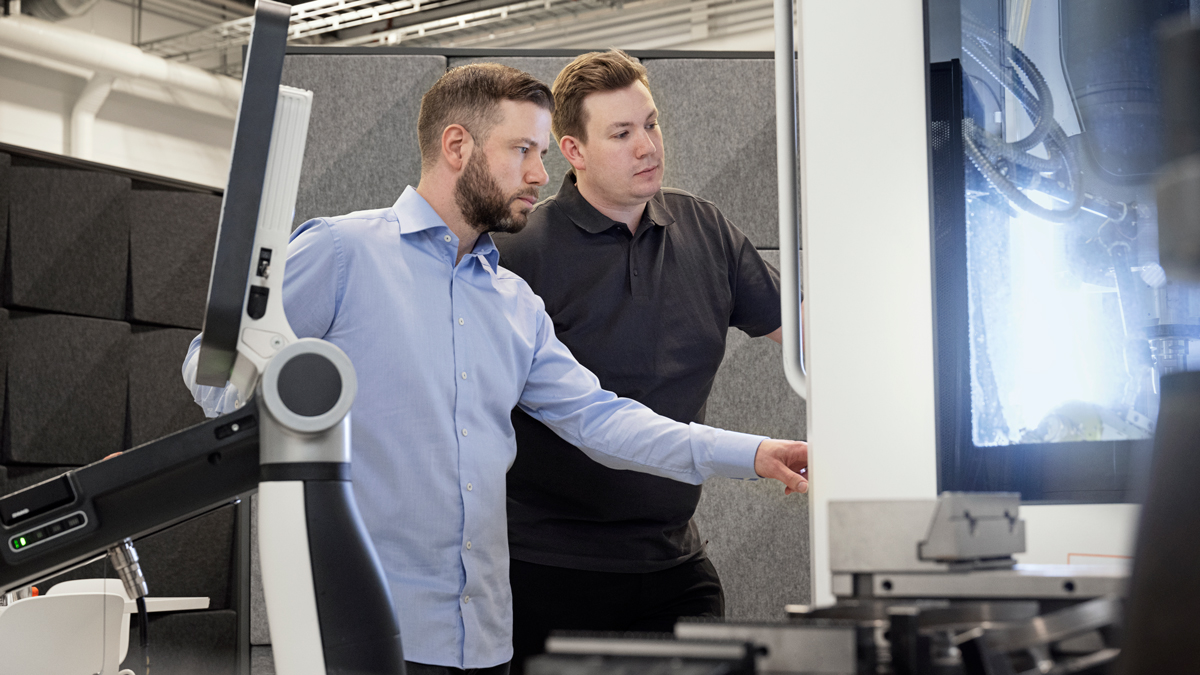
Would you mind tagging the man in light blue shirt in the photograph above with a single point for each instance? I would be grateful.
(445, 343)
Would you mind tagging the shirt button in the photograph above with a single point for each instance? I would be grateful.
(447, 237)
(635, 273)
(468, 546)
(464, 432)
(464, 375)
(466, 599)
(470, 487)
(461, 322)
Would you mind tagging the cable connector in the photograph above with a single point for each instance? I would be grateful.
(124, 559)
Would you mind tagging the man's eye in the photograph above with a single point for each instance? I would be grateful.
(652, 125)
(523, 149)
(623, 134)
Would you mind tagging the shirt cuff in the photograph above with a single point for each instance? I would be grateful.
(731, 453)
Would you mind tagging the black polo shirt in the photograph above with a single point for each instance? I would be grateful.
(648, 314)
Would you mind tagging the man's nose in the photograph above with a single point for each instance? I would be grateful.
(645, 144)
(538, 174)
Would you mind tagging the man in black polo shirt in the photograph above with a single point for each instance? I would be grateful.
(642, 283)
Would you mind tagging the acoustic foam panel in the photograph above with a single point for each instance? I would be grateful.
(757, 537)
(722, 148)
(192, 559)
(159, 403)
(5, 163)
(68, 241)
(362, 137)
(544, 68)
(14, 478)
(67, 387)
(186, 643)
(171, 239)
(4, 350)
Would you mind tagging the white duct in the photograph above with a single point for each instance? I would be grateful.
(83, 114)
(116, 59)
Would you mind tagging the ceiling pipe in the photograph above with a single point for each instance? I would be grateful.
(83, 115)
(112, 58)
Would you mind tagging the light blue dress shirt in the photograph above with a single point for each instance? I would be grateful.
(443, 352)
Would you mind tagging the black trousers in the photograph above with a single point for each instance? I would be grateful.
(548, 598)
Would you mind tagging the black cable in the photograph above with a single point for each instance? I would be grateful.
(143, 630)
(1006, 63)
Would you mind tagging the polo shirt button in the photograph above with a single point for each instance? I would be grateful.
(470, 487)
(468, 546)
(635, 273)
(464, 432)
(447, 237)
(460, 321)
(464, 375)
(466, 599)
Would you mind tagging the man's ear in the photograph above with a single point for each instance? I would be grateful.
(572, 149)
(457, 145)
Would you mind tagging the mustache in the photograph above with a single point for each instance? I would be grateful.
(528, 192)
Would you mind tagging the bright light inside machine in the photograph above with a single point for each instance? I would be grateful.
(1057, 356)
(1047, 336)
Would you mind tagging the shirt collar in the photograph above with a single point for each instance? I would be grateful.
(589, 218)
(416, 215)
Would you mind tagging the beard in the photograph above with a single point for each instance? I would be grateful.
(484, 205)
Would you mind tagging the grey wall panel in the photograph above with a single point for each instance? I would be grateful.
(67, 385)
(187, 643)
(758, 538)
(362, 138)
(159, 403)
(260, 631)
(545, 69)
(718, 123)
(171, 238)
(69, 241)
(262, 661)
(758, 541)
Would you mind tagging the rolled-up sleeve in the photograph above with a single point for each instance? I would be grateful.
(621, 433)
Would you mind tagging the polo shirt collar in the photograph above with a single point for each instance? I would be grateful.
(589, 218)
(416, 215)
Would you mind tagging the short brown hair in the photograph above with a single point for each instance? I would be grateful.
(470, 95)
(589, 74)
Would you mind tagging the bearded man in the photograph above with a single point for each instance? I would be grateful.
(445, 343)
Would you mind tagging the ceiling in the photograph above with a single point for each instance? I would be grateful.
(223, 26)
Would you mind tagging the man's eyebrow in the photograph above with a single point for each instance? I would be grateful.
(619, 125)
(528, 141)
